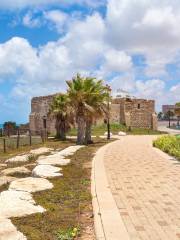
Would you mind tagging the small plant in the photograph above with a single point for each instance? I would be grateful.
(69, 234)
(85, 182)
(32, 158)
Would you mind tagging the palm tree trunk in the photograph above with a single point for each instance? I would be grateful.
(88, 139)
(57, 127)
(81, 130)
(60, 129)
(63, 130)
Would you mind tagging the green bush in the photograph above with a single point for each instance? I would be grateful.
(68, 234)
(169, 144)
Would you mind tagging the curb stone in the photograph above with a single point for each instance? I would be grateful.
(107, 220)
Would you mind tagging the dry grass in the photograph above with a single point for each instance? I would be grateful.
(68, 204)
(55, 144)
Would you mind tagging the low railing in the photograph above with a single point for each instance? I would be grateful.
(16, 138)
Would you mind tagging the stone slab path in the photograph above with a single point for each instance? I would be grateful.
(18, 201)
(145, 184)
(8, 231)
(30, 184)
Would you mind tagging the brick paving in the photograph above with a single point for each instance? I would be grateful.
(146, 188)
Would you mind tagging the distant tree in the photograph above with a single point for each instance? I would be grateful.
(160, 115)
(177, 111)
(168, 115)
(9, 127)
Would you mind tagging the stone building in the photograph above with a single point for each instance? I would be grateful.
(166, 108)
(39, 117)
(135, 113)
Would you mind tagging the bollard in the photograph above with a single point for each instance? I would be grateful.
(30, 138)
(18, 138)
(4, 145)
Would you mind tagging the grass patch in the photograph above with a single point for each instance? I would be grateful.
(19, 175)
(142, 131)
(68, 204)
(115, 128)
(169, 144)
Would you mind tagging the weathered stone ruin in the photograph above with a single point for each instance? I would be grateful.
(40, 117)
(135, 113)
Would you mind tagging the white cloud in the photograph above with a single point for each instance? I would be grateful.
(147, 27)
(85, 42)
(157, 18)
(151, 88)
(39, 71)
(143, 25)
(175, 93)
(58, 18)
(31, 22)
(17, 56)
(117, 61)
(125, 82)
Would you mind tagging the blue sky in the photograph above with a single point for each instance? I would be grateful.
(132, 45)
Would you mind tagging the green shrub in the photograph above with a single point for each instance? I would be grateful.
(169, 144)
(68, 234)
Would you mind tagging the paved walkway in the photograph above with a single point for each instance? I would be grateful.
(162, 126)
(145, 184)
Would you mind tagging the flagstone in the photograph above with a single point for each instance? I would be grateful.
(69, 150)
(8, 231)
(19, 158)
(41, 150)
(5, 180)
(56, 160)
(21, 170)
(3, 165)
(122, 134)
(106, 133)
(17, 204)
(46, 171)
(30, 184)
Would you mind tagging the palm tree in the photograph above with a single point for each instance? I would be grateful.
(87, 97)
(61, 110)
(96, 100)
(77, 94)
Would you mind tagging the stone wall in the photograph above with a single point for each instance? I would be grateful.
(115, 113)
(39, 110)
(136, 113)
(140, 112)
